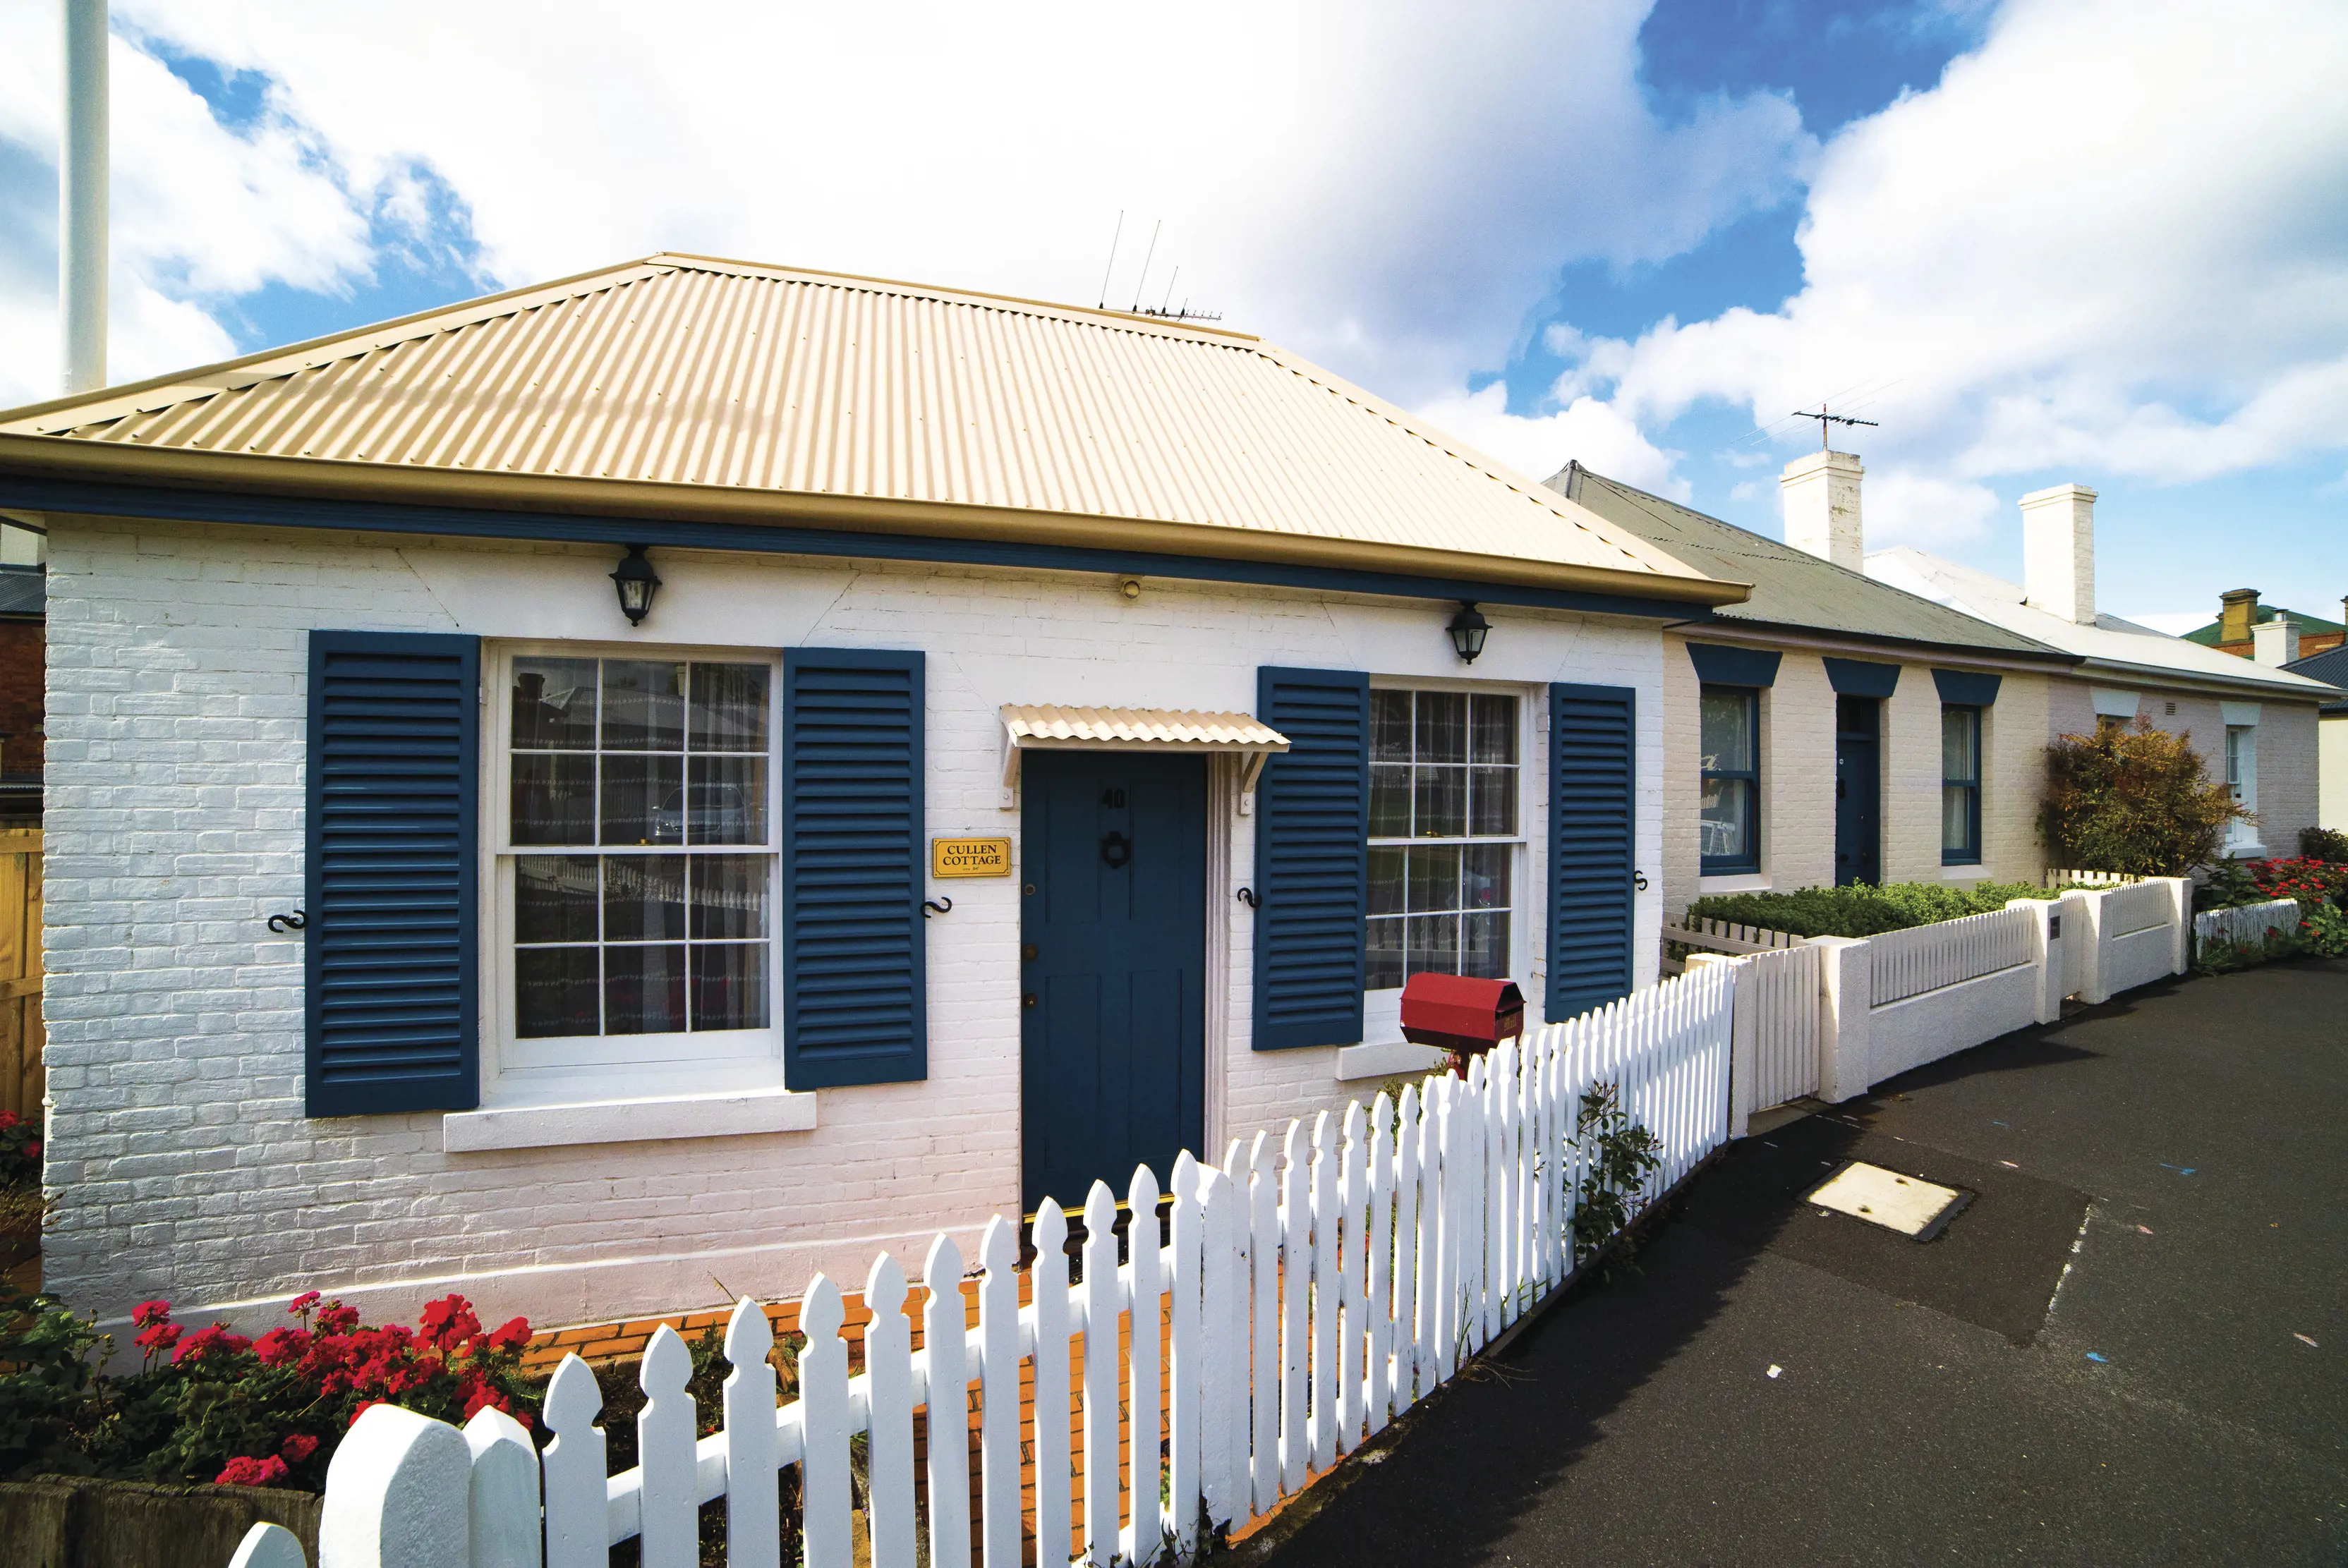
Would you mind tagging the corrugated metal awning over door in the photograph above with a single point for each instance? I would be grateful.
(1161, 730)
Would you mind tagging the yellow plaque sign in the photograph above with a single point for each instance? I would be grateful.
(969, 857)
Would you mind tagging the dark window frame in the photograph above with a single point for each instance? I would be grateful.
(1969, 854)
(1749, 863)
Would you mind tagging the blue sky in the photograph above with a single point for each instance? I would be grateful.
(1638, 233)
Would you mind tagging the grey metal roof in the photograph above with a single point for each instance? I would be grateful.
(24, 592)
(1791, 588)
(2331, 666)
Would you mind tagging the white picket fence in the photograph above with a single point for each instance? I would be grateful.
(1903, 964)
(2248, 926)
(2059, 878)
(1313, 1286)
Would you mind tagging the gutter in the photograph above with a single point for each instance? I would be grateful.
(2196, 680)
(334, 479)
(1769, 635)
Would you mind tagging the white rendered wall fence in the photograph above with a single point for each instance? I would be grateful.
(1311, 1288)
(1903, 964)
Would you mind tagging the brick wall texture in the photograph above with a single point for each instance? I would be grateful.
(182, 1163)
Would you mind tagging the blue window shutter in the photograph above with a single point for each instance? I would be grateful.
(1312, 858)
(392, 950)
(1592, 816)
(855, 997)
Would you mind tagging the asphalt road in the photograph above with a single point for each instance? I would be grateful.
(2097, 1362)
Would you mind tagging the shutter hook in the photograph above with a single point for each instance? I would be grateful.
(1247, 896)
(294, 922)
(1639, 880)
(941, 904)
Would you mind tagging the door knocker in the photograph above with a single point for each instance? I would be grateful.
(1116, 851)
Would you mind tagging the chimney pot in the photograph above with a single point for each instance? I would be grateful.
(1820, 493)
(2058, 552)
(2277, 641)
(2238, 612)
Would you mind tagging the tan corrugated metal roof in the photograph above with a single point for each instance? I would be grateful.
(1190, 730)
(679, 385)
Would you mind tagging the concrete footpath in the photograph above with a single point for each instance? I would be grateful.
(2100, 1361)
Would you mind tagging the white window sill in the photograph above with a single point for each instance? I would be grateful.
(1393, 1059)
(738, 1114)
(1964, 873)
(1743, 882)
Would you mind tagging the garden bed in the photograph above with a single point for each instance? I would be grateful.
(1862, 911)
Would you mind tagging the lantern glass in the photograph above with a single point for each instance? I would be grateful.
(1468, 629)
(636, 582)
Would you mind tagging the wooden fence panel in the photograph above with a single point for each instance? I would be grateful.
(22, 1033)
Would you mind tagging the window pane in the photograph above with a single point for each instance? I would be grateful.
(1433, 879)
(1484, 945)
(1442, 727)
(1385, 955)
(1494, 801)
(1386, 880)
(728, 801)
(1440, 807)
(644, 800)
(1721, 826)
(553, 798)
(1727, 725)
(643, 989)
(1389, 802)
(1494, 732)
(643, 897)
(1389, 726)
(729, 895)
(554, 704)
(554, 898)
(1484, 877)
(1960, 743)
(643, 706)
(554, 992)
(1957, 820)
(730, 707)
(729, 986)
(1434, 945)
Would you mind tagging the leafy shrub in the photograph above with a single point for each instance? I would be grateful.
(2228, 886)
(1860, 911)
(20, 1151)
(2324, 843)
(1618, 1155)
(215, 1405)
(2133, 799)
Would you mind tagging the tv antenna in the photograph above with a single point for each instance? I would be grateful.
(1824, 419)
(1115, 235)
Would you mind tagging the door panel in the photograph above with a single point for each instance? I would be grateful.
(1858, 791)
(1113, 968)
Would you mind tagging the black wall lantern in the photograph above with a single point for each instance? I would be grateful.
(637, 582)
(1468, 629)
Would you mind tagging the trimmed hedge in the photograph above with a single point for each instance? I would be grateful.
(1862, 911)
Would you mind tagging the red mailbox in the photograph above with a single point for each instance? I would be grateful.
(1458, 1013)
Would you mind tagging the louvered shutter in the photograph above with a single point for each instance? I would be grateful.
(1592, 815)
(855, 1004)
(392, 877)
(1312, 858)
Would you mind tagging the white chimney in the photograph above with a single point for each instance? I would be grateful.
(1821, 491)
(2276, 640)
(81, 198)
(2058, 552)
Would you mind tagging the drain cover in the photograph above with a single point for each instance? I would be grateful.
(1908, 1205)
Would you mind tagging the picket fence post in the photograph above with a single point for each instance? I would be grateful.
(826, 1500)
(502, 1507)
(888, 1418)
(1048, 1283)
(1146, 1295)
(578, 1530)
(402, 1485)
(1099, 1294)
(998, 1418)
(945, 1395)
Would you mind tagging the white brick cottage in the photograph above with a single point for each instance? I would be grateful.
(624, 984)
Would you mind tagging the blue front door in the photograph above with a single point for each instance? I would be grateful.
(1113, 961)
(1858, 791)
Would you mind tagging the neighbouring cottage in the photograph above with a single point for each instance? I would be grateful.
(2244, 625)
(2253, 721)
(1831, 729)
(2330, 667)
(628, 792)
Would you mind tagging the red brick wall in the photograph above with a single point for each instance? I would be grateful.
(21, 665)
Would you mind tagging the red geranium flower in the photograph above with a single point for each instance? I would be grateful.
(243, 1472)
(298, 1447)
(149, 1312)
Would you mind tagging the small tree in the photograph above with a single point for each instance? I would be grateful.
(2133, 799)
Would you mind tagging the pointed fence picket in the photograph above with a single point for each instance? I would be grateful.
(1299, 1299)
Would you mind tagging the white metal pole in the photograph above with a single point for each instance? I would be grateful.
(81, 196)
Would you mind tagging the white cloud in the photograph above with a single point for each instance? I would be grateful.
(1539, 446)
(1902, 507)
(2175, 622)
(1386, 187)
(2114, 241)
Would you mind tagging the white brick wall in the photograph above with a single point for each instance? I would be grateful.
(176, 726)
(2288, 750)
